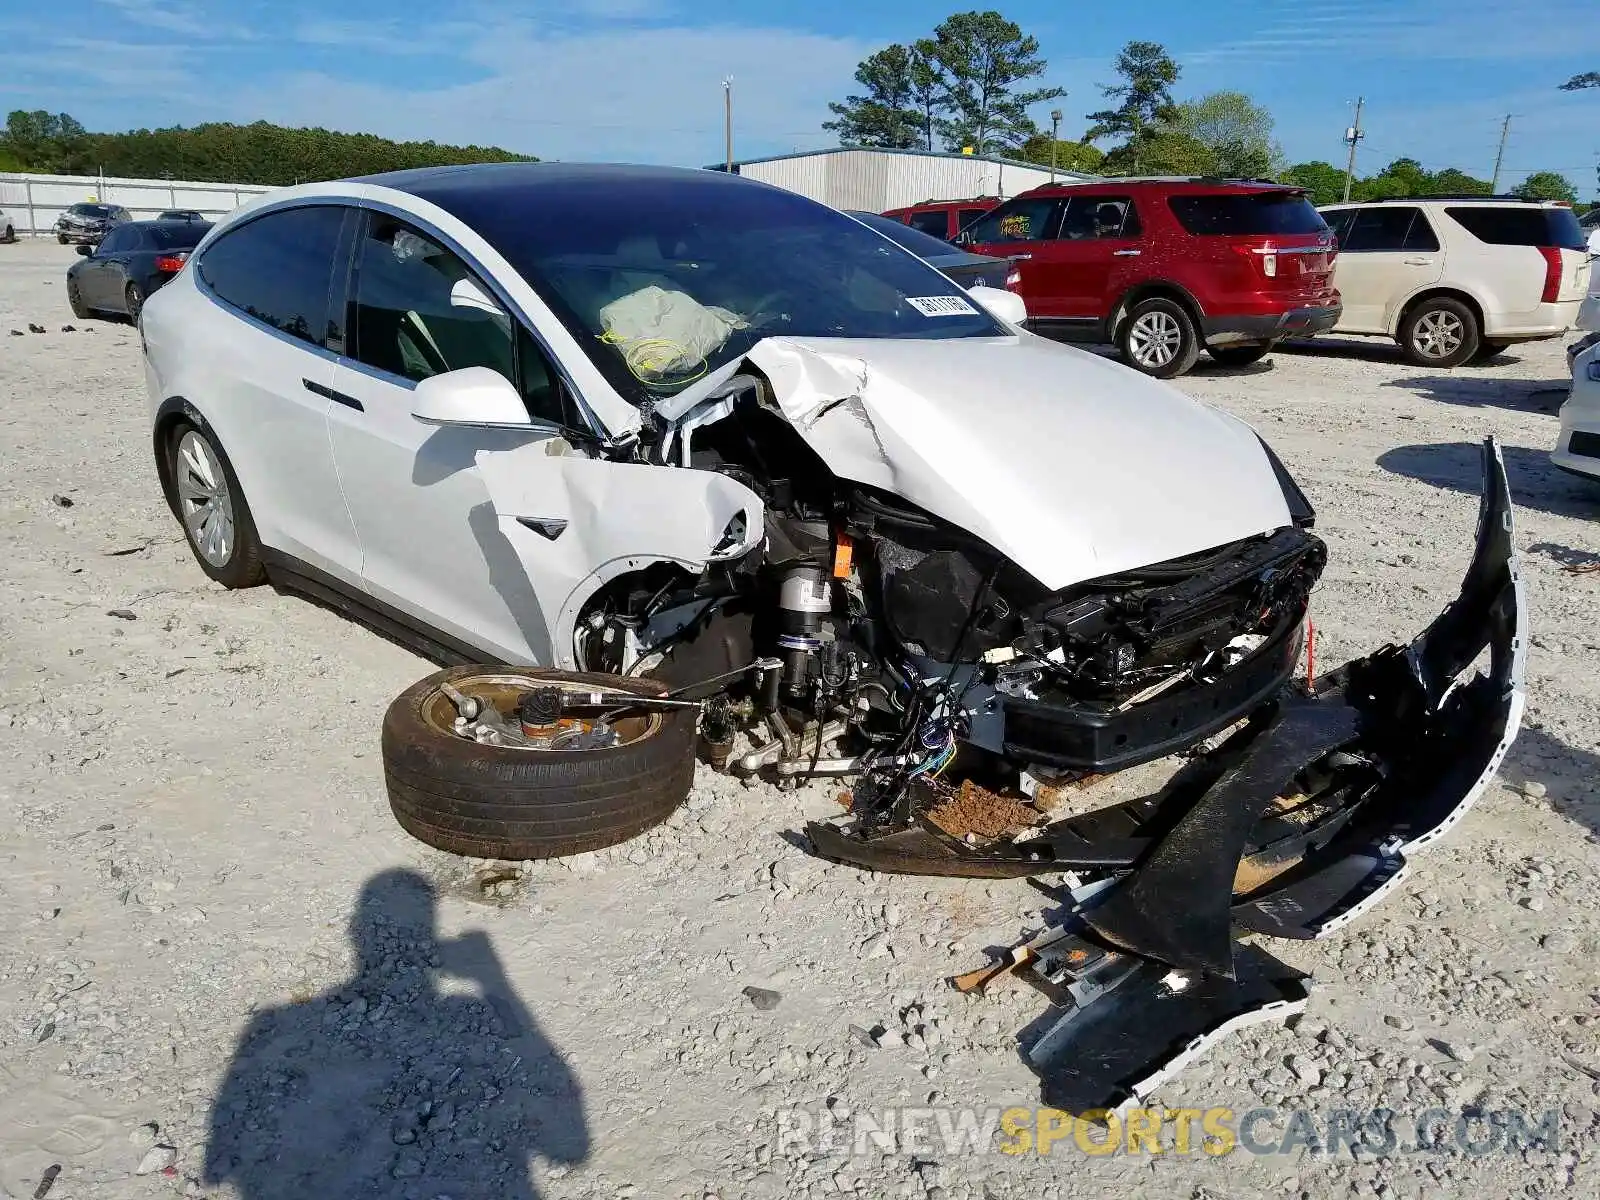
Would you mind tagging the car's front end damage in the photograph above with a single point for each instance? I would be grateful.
(981, 692)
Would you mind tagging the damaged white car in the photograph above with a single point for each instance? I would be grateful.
(686, 460)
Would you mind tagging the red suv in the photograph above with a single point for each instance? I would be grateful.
(943, 218)
(1161, 267)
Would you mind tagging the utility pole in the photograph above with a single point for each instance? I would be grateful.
(1353, 135)
(1499, 155)
(1055, 128)
(727, 120)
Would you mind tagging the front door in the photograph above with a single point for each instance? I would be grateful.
(1021, 230)
(431, 543)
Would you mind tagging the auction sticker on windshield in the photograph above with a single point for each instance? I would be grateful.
(941, 306)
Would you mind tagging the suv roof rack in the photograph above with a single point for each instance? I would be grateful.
(1507, 199)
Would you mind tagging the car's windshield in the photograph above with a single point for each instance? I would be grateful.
(665, 280)
(91, 210)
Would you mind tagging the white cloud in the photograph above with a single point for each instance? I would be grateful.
(644, 95)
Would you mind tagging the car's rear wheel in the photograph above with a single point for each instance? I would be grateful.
(1440, 332)
(75, 298)
(1239, 355)
(133, 294)
(1158, 337)
(595, 783)
(209, 502)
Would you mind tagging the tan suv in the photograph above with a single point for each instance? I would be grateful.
(1457, 279)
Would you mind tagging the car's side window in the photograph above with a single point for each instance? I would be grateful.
(278, 268)
(1100, 217)
(112, 242)
(967, 216)
(935, 223)
(1023, 220)
(418, 310)
(1383, 227)
(1420, 238)
(1339, 223)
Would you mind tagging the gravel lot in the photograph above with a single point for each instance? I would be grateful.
(198, 848)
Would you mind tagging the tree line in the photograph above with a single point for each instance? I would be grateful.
(972, 83)
(261, 153)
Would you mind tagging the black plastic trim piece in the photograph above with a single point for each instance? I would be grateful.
(343, 398)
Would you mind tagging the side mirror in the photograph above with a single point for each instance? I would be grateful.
(85, 249)
(470, 396)
(465, 293)
(997, 302)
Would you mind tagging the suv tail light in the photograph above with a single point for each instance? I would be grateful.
(172, 263)
(1552, 274)
(1267, 256)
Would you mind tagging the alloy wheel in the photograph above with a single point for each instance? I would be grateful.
(204, 500)
(1155, 339)
(1439, 334)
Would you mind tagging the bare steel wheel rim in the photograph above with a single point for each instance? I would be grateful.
(1440, 333)
(501, 690)
(204, 500)
(1154, 339)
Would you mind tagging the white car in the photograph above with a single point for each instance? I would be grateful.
(1578, 444)
(1590, 223)
(618, 422)
(8, 228)
(1458, 279)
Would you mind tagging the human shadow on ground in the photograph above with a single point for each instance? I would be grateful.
(1535, 481)
(1487, 391)
(389, 1088)
(1569, 774)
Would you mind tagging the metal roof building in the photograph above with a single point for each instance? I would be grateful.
(876, 180)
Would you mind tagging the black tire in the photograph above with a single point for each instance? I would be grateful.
(62, 238)
(1181, 345)
(1490, 348)
(11, 235)
(242, 567)
(1440, 332)
(504, 802)
(1239, 355)
(75, 298)
(133, 297)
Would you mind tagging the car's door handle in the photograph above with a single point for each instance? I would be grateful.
(1127, 253)
(1014, 257)
(1419, 262)
(337, 397)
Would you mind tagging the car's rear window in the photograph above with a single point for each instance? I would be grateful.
(1521, 225)
(177, 237)
(1247, 214)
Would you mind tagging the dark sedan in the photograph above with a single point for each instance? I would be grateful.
(134, 260)
(181, 214)
(87, 223)
(961, 266)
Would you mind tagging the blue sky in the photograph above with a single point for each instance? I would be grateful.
(641, 80)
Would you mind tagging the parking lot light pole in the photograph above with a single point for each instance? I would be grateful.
(1055, 127)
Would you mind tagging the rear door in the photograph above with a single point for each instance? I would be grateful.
(1095, 257)
(1021, 230)
(1387, 253)
(97, 277)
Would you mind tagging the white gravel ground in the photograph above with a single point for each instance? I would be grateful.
(196, 844)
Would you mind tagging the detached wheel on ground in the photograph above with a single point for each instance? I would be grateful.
(577, 792)
(1241, 355)
(1440, 332)
(1158, 337)
(206, 497)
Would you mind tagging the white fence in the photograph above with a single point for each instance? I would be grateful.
(33, 202)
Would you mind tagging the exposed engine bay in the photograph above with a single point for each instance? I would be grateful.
(906, 641)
